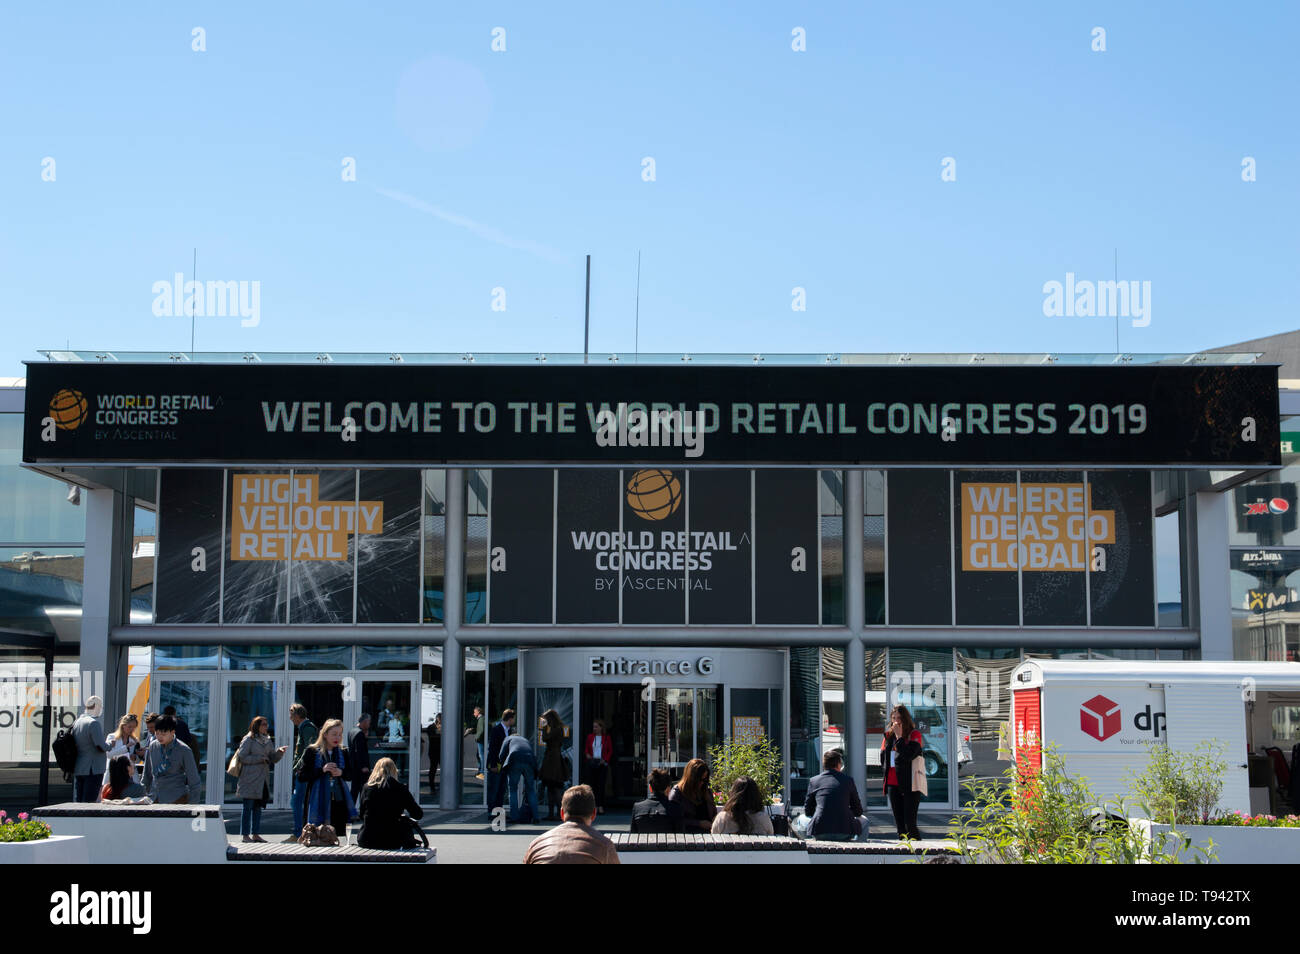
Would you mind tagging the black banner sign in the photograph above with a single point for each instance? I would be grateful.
(1163, 415)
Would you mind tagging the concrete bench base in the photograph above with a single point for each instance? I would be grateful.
(769, 850)
(55, 850)
(142, 834)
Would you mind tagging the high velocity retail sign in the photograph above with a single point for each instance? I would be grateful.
(411, 414)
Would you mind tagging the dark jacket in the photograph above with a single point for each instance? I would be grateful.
(658, 814)
(381, 808)
(552, 768)
(359, 746)
(905, 750)
(696, 816)
(304, 735)
(516, 752)
(496, 736)
(833, 804)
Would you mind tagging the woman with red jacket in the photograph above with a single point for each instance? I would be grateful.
(901, 744)
(599, 750)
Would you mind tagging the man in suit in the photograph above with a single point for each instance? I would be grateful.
(658, 814)
(833, 802)
(496, 738)
(91, 752)
(519, 764)
(359, 746)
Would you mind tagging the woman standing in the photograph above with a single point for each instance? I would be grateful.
(327, 770)
(694, 793)
(123, 742)
(434, 733)
(599, 750)
(552, 768)
(900, 746)
(256, 754)
(383, 799)
(743, 813)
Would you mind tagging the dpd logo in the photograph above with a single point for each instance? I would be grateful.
(1099, 717)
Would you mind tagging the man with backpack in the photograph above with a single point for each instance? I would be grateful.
(91, 752)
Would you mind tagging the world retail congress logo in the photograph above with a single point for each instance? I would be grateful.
(68, 409)
(281, 517)
(654, 494)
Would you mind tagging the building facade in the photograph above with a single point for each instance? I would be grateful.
(421, 537)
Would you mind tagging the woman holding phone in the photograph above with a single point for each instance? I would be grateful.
(899, 747)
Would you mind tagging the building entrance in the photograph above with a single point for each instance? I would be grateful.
(623, 713)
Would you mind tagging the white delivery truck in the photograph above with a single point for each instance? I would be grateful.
(1099, 712)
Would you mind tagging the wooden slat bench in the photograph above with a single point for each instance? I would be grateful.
(301, 854)
(759, 849)
(875, 852)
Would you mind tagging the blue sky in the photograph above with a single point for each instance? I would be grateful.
(479, 170)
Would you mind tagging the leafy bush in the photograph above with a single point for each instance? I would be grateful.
(761, 761)
(23, 828)
(1242, 820)
(1050, 817)
(1181, 788)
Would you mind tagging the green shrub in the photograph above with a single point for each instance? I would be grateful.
(1180, 788)
(761, 761)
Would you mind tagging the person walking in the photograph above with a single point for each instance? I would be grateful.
(833, 803)
(657, 814)
(552, 769)
(304, 737)
(744, 813)
(694, 795)
(92, 752)
(256, 754)
(383, 800)
(171, 775)
(359, 746)
(121, 781)
(576, 841)
(434, 733)
(327, 769)
(519, 765)
(497, 735)
(900, 747)
(480, 730)
(598, 752)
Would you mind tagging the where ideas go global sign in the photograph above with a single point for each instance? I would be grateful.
(1033, 526)
(834, 415)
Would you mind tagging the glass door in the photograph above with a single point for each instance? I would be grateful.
(192, 698)
(246, 698)
(672, 727)
(388, 700)
(323, 700)
(561, 700)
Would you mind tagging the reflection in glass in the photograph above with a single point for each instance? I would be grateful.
(389, 705)
(192, 700)
(477, 489)
(983, 703)
(473, 695)
(320, 657)
(387, 657)
(435, 542)
(249, 658)
(831, 497)
(40, 590)
(185, 657)
(431, 719)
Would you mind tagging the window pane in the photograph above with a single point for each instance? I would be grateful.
(185, 657)
(40, 590)
(387, 657)
(320, 657)
(36, 508)
(252, 658)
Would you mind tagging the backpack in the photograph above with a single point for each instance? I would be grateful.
(65, 753)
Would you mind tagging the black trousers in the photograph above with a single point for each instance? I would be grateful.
(905, 806)
(596, 770)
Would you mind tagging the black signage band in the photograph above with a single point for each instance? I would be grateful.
(1151, 416)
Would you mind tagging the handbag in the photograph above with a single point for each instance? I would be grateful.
(235, 766)
(919, 781)
(318, 836)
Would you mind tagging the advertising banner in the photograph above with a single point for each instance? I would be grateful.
(350, 415)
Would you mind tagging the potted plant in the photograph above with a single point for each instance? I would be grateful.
(26, 840)
(760, 760)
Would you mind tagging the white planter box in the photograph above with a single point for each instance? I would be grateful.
(1243, 846)
(55, 850)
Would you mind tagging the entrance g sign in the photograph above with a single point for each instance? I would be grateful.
(623, 666)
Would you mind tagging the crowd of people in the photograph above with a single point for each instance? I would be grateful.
(335, 785)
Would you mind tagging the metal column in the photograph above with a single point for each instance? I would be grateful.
(104, 602)
(855, 657)
(453, 664)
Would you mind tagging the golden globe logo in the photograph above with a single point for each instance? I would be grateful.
(68, 408)
(654, 494)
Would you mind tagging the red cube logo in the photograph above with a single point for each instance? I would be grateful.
(1099, 717)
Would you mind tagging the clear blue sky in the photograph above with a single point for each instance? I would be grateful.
(478, 169)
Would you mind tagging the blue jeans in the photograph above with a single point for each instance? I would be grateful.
(496, 781)
(480, 757)
(525, 772)
(250, 822)
(296, 803)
